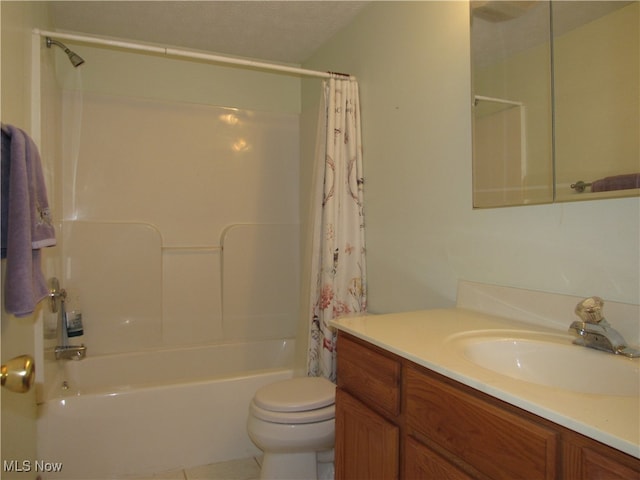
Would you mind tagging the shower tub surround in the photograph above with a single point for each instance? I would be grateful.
(187, 277)
(205, 252)
(143, 413)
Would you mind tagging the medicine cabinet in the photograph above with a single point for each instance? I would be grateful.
(555, 101)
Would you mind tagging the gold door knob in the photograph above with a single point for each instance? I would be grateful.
(18, 374)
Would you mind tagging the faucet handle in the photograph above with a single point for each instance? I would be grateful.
(590, 310)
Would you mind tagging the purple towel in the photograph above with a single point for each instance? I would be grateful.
(617, 182)
(26, 222)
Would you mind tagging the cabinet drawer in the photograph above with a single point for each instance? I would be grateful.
(369, 375)
(495, 442)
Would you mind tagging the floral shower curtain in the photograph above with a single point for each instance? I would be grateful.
(338, 272)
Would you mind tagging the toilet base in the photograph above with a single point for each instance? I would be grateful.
(289, 466)
(326, 468)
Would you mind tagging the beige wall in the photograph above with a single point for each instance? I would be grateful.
(412, 61)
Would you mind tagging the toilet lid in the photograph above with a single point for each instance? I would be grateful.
(291, 418)
(296, 395)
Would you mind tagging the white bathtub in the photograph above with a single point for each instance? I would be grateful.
(149, 412)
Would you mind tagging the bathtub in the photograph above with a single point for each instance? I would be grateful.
(134, 414)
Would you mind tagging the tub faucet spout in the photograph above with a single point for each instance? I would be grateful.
(595, 332)
(70, 352)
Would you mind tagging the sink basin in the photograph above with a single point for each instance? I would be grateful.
(555, 362)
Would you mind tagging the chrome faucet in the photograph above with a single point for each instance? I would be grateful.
(70, 352)
(595, 332)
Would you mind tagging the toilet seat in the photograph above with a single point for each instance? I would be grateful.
(294, 418)
(296, 394)
(297, 400)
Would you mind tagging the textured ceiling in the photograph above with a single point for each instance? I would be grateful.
(280, 31)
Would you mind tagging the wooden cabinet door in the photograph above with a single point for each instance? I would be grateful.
(422, 463)
(367, 446)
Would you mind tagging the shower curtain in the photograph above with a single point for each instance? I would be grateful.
(338, 270)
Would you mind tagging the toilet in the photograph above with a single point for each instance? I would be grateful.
(293, 423)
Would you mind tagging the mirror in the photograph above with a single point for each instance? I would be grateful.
(560, 130)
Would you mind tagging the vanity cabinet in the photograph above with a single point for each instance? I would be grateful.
(397, 419)
(367, 412)
(489, 440)
(365, 436)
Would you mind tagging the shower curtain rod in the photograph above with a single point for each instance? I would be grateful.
(176, 52)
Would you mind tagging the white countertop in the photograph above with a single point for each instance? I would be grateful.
(428, 338)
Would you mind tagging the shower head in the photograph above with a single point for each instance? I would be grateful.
(75, 59)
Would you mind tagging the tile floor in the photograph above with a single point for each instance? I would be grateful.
(244, 469)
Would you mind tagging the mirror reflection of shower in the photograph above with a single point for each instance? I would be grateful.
(75, 59)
